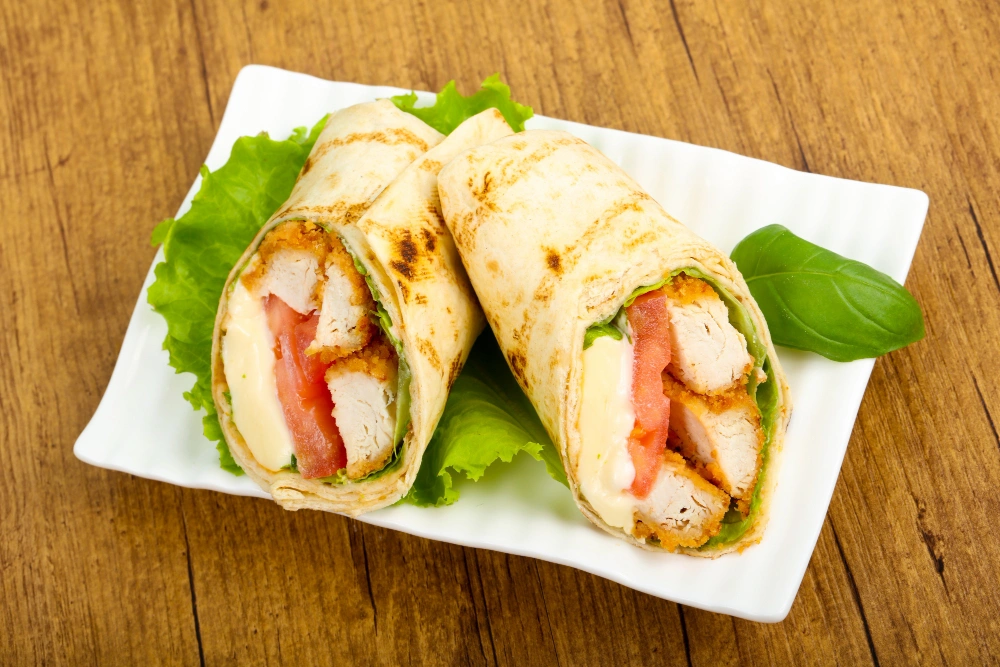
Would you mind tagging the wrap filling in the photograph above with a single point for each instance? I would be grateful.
(677, 411)
(318, 383)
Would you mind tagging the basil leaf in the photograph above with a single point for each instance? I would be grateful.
(814, 299)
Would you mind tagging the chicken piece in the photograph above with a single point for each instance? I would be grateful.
(682, 509)
(309, 269)
(707, 353)
(288, 263)
(292, 276)
(344, 322)
(721, 435)
(363, 387)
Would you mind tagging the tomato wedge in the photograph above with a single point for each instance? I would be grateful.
(651, 333)
(303, 393)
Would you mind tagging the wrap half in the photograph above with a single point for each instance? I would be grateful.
(638, 343)
(343, 325)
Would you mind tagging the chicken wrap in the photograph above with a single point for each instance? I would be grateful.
(637, 342)
(343, 325)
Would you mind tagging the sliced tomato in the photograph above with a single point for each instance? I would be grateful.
(312, 364)
(303, 393)
(650, 324)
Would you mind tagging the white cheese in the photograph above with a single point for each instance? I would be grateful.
(604, 468)
(248, 360)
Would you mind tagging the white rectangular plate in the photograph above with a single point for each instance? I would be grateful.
(143, 425)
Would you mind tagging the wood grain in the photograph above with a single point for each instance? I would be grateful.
(107, 109)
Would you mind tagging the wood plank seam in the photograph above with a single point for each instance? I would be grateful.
(545, 605)
(687, 49)
(855, 594)
(194, 596)
(201, 57)
(684, 634)
(986, 411)
(982, 241)
(931, 540)
(475, 609)
(368, 579)
(628, 28)
(965, 250)
(59, 221)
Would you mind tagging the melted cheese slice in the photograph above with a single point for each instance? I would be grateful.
(604, 468)
(248, 360)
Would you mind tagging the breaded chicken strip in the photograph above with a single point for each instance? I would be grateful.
(287, 265)
(721, 434)
(344, 322)
(682, 509)
(708, 354)
(363, 387)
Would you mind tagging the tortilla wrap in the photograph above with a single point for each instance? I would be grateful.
(555, 237)
(371, 179)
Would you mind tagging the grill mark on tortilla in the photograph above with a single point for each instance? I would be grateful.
(455, 370)
(646, 237)
(633, 201)
(553, 260)
(405, 251)
(427, 348)
(630, 202)
(408, 252)
(390, 136)
(430, 240)
(348, 213)
(485, 189)
(544, 291)
(412, 256)
(466, 227)
(517, 361)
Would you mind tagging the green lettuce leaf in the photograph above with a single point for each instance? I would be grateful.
(601, 329)
(487, 418)
(203, 245)
(451, 107)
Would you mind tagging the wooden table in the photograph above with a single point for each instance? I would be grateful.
(107, 110)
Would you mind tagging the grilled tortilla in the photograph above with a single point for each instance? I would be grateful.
(555, 238)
